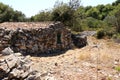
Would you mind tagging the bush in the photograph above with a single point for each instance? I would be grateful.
(100, 34)
(116, 36)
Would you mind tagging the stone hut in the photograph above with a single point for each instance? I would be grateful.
(34, 37)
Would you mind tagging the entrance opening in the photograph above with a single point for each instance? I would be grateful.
(59, 38)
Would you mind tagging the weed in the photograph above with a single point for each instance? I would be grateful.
(117, 68)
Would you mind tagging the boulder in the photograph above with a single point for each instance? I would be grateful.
(79, 40)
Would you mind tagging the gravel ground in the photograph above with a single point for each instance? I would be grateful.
(96, 61)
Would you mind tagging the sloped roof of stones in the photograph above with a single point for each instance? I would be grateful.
(25, 25)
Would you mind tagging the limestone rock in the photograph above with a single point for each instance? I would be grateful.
(35, 76)
(4, 69)
(79, 40)
(11, 61)
(7, 51)
(17, 67)
(18, 54)
(15, 73)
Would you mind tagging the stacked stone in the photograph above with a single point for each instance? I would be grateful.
(5, 37)
(36, 40)
(17, 67)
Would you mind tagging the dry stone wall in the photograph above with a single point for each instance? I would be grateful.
(54, 37)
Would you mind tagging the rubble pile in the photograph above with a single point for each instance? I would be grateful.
(17, 67)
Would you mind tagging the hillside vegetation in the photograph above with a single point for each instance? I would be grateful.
(103, 18)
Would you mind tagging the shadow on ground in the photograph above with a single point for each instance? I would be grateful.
(48, 54)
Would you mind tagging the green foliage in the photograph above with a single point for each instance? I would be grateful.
(117, 68)
(100, 34)
(8, 14)
(80, 13)
(116, 3)
(116, 36)
(117, 15)
(93, 12)
(69, 14)
(100, 11)
(18, 16)
(106, 31)
(87, 8)
(92, 22)
(42, 16)
(110, 20)
(62, 13)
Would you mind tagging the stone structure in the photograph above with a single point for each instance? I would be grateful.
(34, 37)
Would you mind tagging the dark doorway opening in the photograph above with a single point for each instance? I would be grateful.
(59, 41)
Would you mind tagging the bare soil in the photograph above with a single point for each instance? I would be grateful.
(96, 61)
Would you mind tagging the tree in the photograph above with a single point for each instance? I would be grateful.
(62, 12)
(116, 3)
(18, 16)
(69, 14)
(42, 16)
(117, 15)
(93, 12)
(8, 14)
(111, 20)
(74, 4)
(87, 8)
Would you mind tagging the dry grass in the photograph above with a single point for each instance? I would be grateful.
(100, 55)
(85, 56)
(105, 57)
(93, 57)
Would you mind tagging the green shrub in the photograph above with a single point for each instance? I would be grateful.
(116, 36)
(100, 34)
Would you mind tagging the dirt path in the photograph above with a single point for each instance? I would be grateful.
(96, 61)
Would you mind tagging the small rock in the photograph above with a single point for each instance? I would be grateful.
(28, 57)
(6, 78)
(116, 63)
(15, 73)
(7, 51)
(35, 76)
(11, 61)
(116, 76)
(25, 74)
(3, 70)
(18, 54)
(56, 64)
(50, 78)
